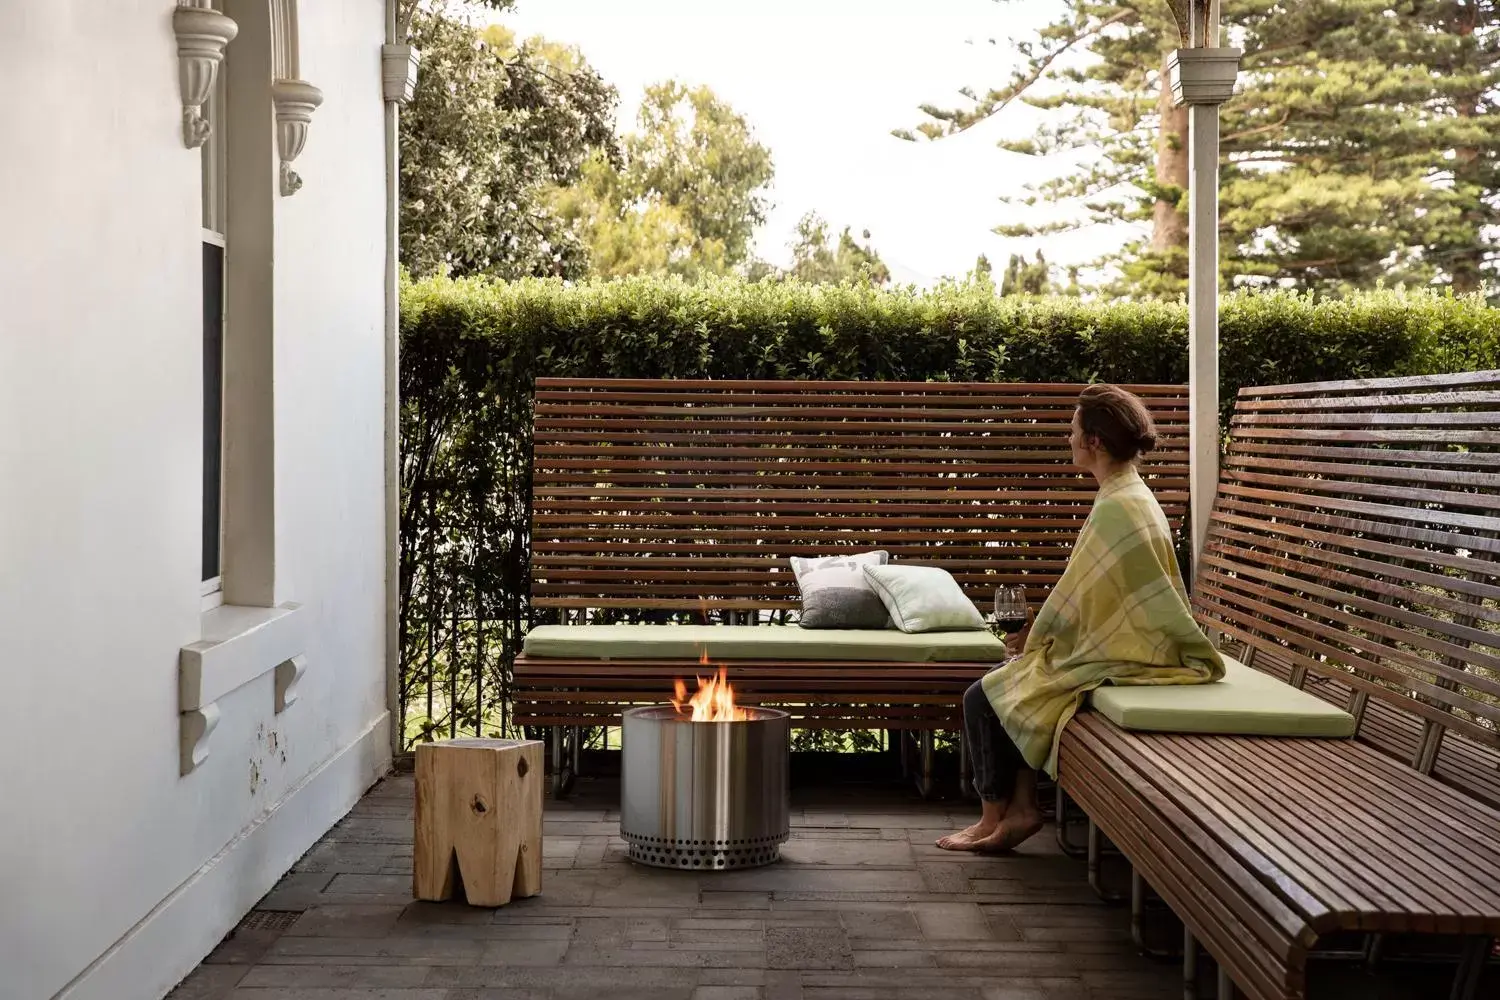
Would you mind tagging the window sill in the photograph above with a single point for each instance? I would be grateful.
(238, 645)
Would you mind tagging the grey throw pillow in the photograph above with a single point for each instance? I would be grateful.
(836, 594)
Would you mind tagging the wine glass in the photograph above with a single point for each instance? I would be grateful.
(1010, 608)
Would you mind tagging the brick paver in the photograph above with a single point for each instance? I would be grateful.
(862, 907)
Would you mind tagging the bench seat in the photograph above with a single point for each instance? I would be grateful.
(1264, 846)
(758, 642)
(1354, 553)
(1246, 702)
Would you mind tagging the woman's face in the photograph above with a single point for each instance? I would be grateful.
(1083, 455)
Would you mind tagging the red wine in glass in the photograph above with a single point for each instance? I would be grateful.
(1010, 609)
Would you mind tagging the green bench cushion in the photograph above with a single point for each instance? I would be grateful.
(1245, 703)
(758, 642)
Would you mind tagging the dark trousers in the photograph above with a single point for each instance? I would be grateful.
(995, 759)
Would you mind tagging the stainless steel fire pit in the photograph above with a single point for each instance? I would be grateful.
(706, 795)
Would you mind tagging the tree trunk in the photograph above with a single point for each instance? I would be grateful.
(1169, 228)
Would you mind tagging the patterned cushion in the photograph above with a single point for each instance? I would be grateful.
(835, 593)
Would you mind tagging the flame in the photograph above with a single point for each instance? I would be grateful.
(713, 701)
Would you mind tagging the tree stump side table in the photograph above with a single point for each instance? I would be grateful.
(479, 820)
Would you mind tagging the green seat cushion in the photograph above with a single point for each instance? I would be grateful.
(759, 642)
(1245, 703)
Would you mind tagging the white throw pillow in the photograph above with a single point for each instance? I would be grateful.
(835, 594)
(923, 599)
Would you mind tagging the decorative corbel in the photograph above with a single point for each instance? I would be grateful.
(398, 72)
(202, 34)
(288, 673)
(295, 102)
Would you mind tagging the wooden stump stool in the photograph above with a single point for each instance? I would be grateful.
(479, 819)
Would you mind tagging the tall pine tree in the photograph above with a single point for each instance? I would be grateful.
(1362, 147)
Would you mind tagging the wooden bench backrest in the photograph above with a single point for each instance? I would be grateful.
(1354, 551)
(688, 495)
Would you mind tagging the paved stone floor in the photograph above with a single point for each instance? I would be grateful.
(862, 907)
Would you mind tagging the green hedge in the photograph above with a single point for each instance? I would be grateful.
(471, 350)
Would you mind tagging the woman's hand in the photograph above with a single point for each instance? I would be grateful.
(1016, 641)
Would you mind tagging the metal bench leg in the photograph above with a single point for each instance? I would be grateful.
(1226, 986)
(1069, 848)
(554, 738)
(1471, 968)
(924, 781)
(1137, 919)
(1095, 851)
(1189, 965)
(1374, 949)
(965, 778)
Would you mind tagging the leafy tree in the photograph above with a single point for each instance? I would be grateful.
(685, 197)
(1361, 149)
(818, 258)
(494, 125)
(1100, 67)
(1023, 278)
(693, 151)
(626, 235)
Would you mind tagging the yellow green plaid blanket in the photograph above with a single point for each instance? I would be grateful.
(1119, 615)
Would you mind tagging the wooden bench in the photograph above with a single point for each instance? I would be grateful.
(657, 499)
(1352, 553)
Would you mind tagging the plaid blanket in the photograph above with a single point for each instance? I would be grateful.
(1119, 615)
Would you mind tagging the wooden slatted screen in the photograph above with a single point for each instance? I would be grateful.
(688, 495)
(1355, 539)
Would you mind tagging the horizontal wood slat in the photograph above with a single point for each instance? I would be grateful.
(1353, 552)
(840, 694)
(641, 488)
(1378, 568)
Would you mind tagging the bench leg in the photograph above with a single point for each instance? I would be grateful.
(1095, 855)
(924, 780)
(965, 778)
(1069, 848)
(1226, 986)
(1138, 918)
(1189, 965)
(562, 773)
(1471, 968)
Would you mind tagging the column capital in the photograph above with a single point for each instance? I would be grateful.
(1203, 75)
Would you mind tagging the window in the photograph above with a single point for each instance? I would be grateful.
(215, 251)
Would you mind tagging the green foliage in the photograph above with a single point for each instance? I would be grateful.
(1361, 149)
(1022, 278)
(471, 350)
(818, 258)
(494, 125)
(685, 197)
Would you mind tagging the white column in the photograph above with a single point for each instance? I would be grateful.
(1203, 313)
(398, 68)
(1203, 77)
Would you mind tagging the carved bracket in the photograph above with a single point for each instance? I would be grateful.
(295, 102)
(202, 35)
(288, 673)
(197, 726)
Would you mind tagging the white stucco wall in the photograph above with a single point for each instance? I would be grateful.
(116, 874)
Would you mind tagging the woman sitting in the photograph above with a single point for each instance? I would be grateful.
(1119, 615)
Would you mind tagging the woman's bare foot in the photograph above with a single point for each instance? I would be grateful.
(1012, 832)
(965, 839)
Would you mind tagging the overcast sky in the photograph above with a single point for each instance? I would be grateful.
(823, 82)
